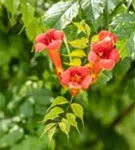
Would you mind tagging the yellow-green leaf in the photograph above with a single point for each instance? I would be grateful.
(51, 133)
(94, 39)
(65, 126)
(27, 11)
(47, 128)
(79, 43)
(72, 120)
(123, 49)
(58, 101)
(78, 111)
(77, 53)
(54, 113)
(84, 27)
(74, 62)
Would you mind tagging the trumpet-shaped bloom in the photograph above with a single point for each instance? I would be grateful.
(104, 59)
(76, 78)
(103, 53)
(51, 41)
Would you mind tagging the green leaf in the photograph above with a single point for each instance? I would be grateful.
(94, 38)
(78, 111)
(51, 133)
(12, 137)
(84, 27)
(32, 24)
(131, 44)
(47, 128)
(122, 67)
(12, 6)
(104, 77)
(123, 18)
(79, 43)
(26, 109)
(110, 5)
(92, 8)
(122, 48)
(54, 113)
(59, 101)
(129, 3)
(121, 9)
(133, 4)
(72, 120)
(33, 29)
(65, 126)
(61, 14)
(124, 25)
(125, 30)
(27, 12)
(77, 53)
(74, 62)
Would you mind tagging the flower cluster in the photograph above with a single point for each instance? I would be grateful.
(102, 55)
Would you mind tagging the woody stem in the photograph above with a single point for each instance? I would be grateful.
(126, 112)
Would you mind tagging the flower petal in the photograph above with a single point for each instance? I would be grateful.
(50, 35)
(115, 55)
(40, 37)
(95, 67)
(103, 34)
(83, 71)
(107, 64)
(86, 82)
(74, 86)
(55, 45)
(107, 43)
(97, 47)
(93, 57)
(65, 77)
(59, 35)
(39, 47)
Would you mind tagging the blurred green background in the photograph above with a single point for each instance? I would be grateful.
(28, 83)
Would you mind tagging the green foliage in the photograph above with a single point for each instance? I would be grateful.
(58, 101)
(28, 84)
(54, 113)
(51, 133)
(64, 126)
(123, 49)
(82, 26)
(78, 110)
(79, 43)
(74, 62)
(61, 14)
(77, 53)
(14, 135)
(72, 120)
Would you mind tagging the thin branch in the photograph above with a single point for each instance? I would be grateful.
(126, 112)
(70, 102)
(67, 48)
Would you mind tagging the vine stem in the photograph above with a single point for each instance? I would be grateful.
(70, 102)
(67, 48)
